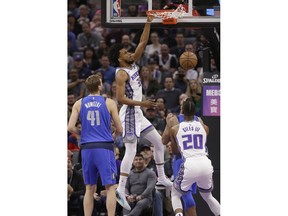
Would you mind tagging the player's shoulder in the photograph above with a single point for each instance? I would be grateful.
(109, 101)
(121, 73)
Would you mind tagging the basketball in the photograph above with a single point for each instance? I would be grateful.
(188, 60)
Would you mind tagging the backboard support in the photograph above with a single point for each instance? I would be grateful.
(132, 13)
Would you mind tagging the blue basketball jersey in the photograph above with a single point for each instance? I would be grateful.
(95, 120)
(181, 118)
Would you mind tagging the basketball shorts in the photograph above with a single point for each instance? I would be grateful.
(133, 123)
(177, 161)
(98, 161)
(195, 169)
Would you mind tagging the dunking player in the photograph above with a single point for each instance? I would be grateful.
(190, 136)
(129, 93)
(188, 200)
(97, 142)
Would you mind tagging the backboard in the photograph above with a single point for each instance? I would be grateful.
(132, 13)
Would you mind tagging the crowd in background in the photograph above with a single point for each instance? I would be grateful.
(162, 79)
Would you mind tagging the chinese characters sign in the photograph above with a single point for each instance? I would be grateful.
(211, 100)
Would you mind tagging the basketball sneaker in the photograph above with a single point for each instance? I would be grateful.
(165, 182)
(121, 199)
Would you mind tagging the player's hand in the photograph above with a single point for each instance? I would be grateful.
(169, 116)
(150, 103)
(150, 18)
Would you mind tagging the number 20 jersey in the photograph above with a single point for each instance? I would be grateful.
(191, 139)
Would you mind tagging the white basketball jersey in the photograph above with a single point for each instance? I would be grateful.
(191, 139)
(133, 88)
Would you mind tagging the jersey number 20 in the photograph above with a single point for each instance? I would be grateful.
(93, 117)
(191, 141)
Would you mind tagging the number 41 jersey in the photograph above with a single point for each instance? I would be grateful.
(95, 120)
(191, 139)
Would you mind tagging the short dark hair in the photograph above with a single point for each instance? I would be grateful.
(188, 107)
(114, 53)
(139, 155)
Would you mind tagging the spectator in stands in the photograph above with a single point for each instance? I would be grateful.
(76, 86)
(70, 61)
(161, 111)
(70, 102)
(194, 91)
(74, 139)
(83, 14)
(147, 151)
(171, 95)
(128, 45)
(194, 72)
(87, 37)
(102, 48)
(139, 187)
(72, 8)
(167, 61)
(76, 190)
(150, 86)
(114, 36)
(112, 94)
(180, 80)
(132, 10)
(108, 72)
(90, 58)
(73, 25)
(96, 26)
(213, 66)
(72, 45)
(180, 47)
(154, 68)
(83, 70)
(157, 122)
(152, 50)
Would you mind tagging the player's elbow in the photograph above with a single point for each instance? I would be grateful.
(164, 140)
(119, 130)
(70, 128)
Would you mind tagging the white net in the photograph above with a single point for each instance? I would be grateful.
(177, 13)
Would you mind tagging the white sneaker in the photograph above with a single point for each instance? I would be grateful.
(121, 199)
(164, 181)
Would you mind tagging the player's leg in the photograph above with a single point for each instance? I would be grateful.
(88, 202)
(129, 123)
(176, 202)
(205, 187)
(189, 204)
(151, 134)
(110, 201)
(108, 171)
(90, 175)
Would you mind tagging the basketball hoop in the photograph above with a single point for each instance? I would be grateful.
(168, 16)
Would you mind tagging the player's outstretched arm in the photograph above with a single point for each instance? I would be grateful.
(144, 39)
(74, 118)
